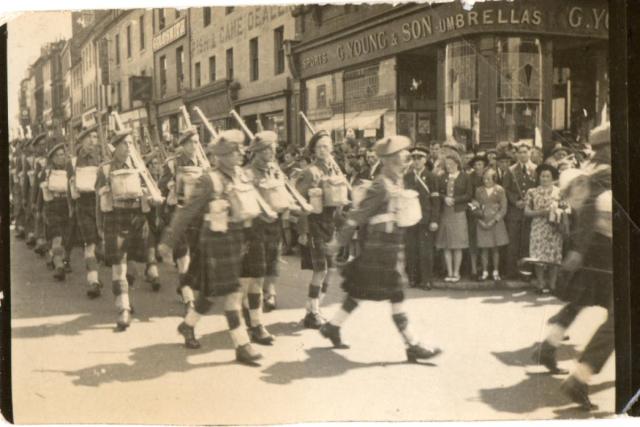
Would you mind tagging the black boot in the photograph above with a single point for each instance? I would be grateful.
(59, 274)
(312, 321)
(189, 335)
(260, 335)
(332, 332)
(546, 355)
(94, 291)
(269, 304)
(578, 392)
(155, 284)
(417, 351)
(247, 355)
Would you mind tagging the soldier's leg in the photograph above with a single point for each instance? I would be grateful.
(258, 332)
(194, 312)
(415, 350)
(545, 354)
(57, 252)
(183, 261)
(269, 289)
(91, 266)
(121, 285)
(151, 269)
(245, 353)
(331, 329)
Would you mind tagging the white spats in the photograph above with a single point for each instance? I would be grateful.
(239, 336)
(192, 317)
(582, 372)
(122, 302)
(555, 334)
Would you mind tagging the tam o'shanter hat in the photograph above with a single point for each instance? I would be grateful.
(186, 135)
(391, 145)
(226, 142)
(263, 140)
(86, 132)
(119, 137)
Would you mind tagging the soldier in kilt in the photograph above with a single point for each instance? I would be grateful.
(172, 187)
(126, 230)
(589, 264)
(378, 274)
(55, 207)
(34, 227)
(156, 222)
(84, 204)
(260, 267)
(28, 179)
(221, 251)
(16, 188)
(316, 230)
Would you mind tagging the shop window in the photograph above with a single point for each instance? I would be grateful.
(462, 120)
(518, 108)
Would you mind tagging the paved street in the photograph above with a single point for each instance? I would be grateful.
(70, 366)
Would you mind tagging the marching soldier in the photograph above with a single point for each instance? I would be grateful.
(178, 177)
(378, 274)
(318, 228)
(53, 198)
(156, 221)
(216, 200)
(121, 206)
(40, 165)
(82, 172)
(31, 191)
(421, 237)
(17, 186)
(260, 264)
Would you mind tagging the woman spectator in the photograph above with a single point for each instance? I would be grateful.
(545, 243)
(491, 200)
(453, 234)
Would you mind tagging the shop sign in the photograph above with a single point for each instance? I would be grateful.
(435, 24)
(169, 35)
(247, 19)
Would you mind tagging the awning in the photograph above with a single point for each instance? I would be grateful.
(366, 120)
(336, 122)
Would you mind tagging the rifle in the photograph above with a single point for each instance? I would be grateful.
(299, 199)
(205, 122)
(106, 154)
(200, 154)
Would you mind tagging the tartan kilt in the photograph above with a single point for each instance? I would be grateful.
(379, 272)
(263, 242)
(86, 218)
(590, 288)
(56, 215)
(220, 261)
(156, 225)
(130, 224)
(189, 240)
(321, 230)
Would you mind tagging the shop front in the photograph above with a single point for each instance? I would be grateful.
(170, 118)
(266, 113)
(522, 71)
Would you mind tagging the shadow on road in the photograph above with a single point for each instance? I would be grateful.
(525, 356)
(535, 392)
(151, 362)
(321, 363)
(287, 329)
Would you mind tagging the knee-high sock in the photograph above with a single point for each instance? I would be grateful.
(254, 296)
(582, 372)
(187, 294)
(90, 262)
(183, 263)
(269, 287)
(555, 334)
(344, 312)
(57, 251)
(401, 321)
(232, 313)
(313, 304)
(192, 317)
(119, 276)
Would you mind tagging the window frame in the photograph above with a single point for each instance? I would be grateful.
(254, 59)
(229, 64)
(141, 32)
(278, 50)
(197, 74)
(212, 69)
(206, 16)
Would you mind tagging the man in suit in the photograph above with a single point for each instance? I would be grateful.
(521, 178)
(420, 239)
(503, 163)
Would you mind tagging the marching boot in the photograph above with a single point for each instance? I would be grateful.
(67, 265)
(153, 280)
(124, 320)
(59, 274)
(546, 355)
(269, 304)
(313, 320)
(578, 392)
(260, 335)
(189, 335)
(94, 291)
(332, 332)
(247, 355)
(418, 352)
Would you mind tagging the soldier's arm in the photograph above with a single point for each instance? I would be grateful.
(197, 205)
(370, 205)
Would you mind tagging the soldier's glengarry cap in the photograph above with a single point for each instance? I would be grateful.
(56, 146)
(87, 131)
(227, 142)
(119, 137)
(186, 135)
(391, 145)
(38, 139)
(263, 140)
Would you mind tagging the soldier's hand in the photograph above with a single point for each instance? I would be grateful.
(433, 226)
(572, 261)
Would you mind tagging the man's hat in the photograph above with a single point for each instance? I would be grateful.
(85, 132)
(119, 137)
(420, 149)
(226, 142)
(186, 135)
(263, 140)
(600, 135)
(559, 148)
(391, 145)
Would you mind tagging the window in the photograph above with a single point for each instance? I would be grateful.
(163, 76)
(206, 16)
(228, 10)
(197, 74)
(161, 19)
(278, 49)
(254, 60)
(177, 13)
(141, 22)
(230, 63)
(462, 117)
(321, 96)
(117, 46)
(128, 41)
(212, 69)
(180, 67)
